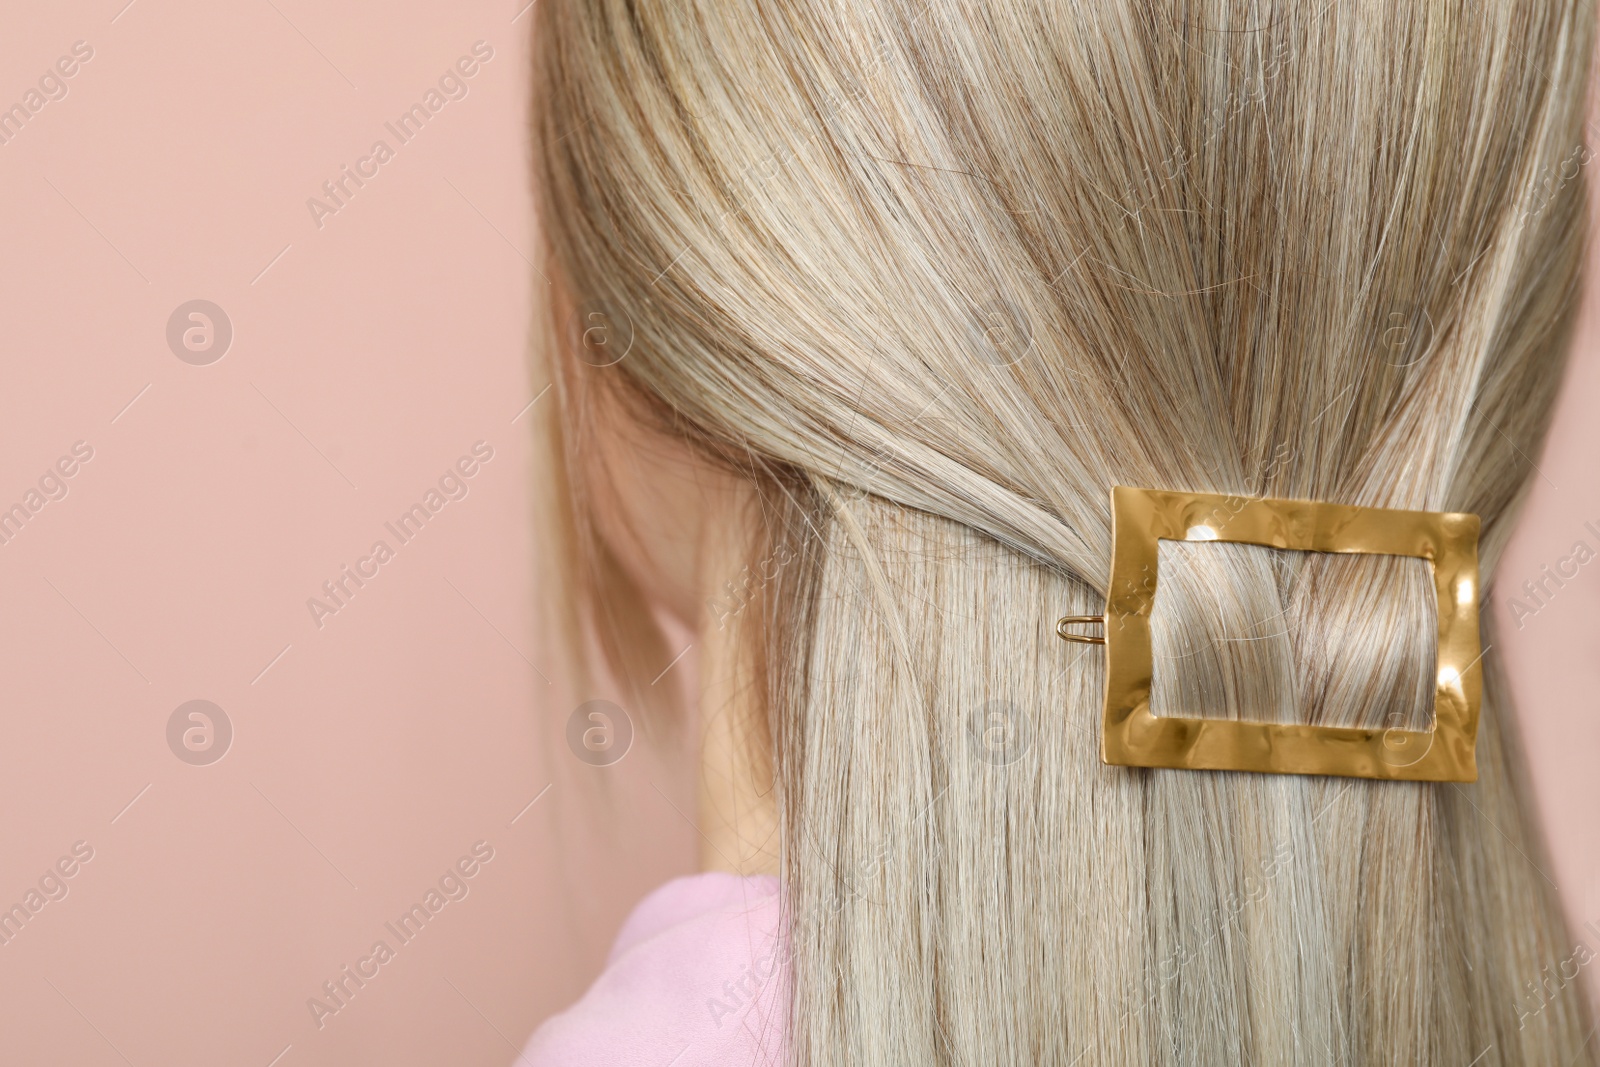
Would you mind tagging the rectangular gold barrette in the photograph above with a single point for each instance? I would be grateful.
(1133, 737)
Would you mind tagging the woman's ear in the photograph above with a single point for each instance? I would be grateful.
(678, 522)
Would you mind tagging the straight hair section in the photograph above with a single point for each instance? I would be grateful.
(937, 274)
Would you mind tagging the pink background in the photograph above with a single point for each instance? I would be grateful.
(370, 753)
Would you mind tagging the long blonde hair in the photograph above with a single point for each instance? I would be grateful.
(937, 273)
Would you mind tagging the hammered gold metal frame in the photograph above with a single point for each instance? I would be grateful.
(1133, 737)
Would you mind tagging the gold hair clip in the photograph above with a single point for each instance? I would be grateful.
(1133, 737)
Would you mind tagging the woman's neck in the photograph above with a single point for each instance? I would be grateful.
(738, 811)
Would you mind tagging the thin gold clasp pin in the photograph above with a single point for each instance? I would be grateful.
(1080, 620)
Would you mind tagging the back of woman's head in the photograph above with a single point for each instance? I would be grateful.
(936, 275)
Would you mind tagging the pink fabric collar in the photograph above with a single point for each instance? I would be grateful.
(695, 979)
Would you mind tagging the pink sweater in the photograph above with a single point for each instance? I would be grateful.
(695, 979)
